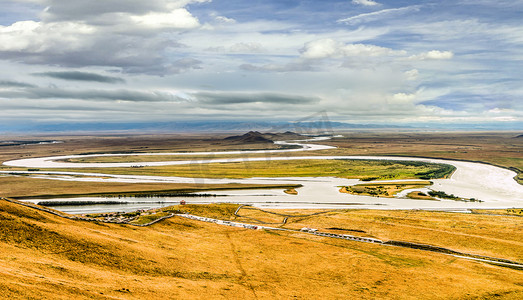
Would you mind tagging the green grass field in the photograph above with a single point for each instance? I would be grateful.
(362, 169)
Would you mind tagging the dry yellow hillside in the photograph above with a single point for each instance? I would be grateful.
(44, 256)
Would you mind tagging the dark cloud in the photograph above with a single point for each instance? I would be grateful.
(176, 67)
(65, 10)
(130, 53)
(223, 98)
(187, 63)
(81, 76)
(103, 95)
(15, 84)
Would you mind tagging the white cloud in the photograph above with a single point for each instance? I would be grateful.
(399, 98)
(433, 55)
(37, 37)
(380, 14)
(247, 48)
(289, 67)
(130, 34)
(411, 74)
(239, 48)
(177, 19)
(359, 72)
(329, 48)
(365, 2)
(498, 110)
(322, 49)
(224, 20)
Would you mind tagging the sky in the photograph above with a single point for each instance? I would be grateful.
(358, 61)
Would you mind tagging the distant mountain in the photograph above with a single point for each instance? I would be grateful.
(302, 127)
(309, 127)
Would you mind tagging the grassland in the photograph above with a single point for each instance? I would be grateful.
(420, 196)
(361, 169)
(43, 256)
(291, 191)
(383, 189)
(508, 211)
(435, 228)
(26, 187)
(498, 148)
(126, 143)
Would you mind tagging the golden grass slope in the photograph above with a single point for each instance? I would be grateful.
(43, 256)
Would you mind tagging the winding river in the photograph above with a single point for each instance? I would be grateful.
(493, 185)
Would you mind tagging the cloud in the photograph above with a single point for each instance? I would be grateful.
(186, 63)
(224, 20)
(30, 37)
(60, 10)
(158, 67)
(365, 2)
(129, 34)
(289, 67)
(67, 10)
(377, 15)
(99, 95)
(225, 98)
(402, 98)
(81, 76)
(411, 74)
(241, 48)
(456, 54)
(14, 84)
(433, 55)
(326, 48)
(72, 45)
(247, 48)
(178, 19)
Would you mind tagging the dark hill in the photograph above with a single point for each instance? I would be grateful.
(258, 137)
(285, 136)
(249, 137)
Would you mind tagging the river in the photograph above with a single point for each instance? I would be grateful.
(493, 185)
